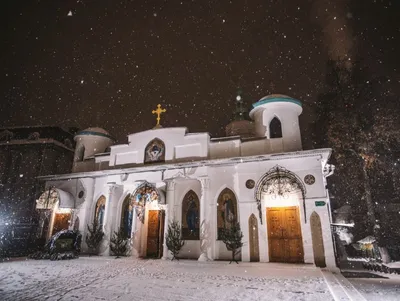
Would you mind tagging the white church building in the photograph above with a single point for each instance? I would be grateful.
(258, 175)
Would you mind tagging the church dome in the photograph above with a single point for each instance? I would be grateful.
(276, 98)
(94, 131)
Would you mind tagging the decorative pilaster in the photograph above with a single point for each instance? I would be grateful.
(166, 223)
(108, 220)
(169, 213)
(204, 220)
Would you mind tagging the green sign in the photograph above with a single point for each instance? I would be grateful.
(320, 203)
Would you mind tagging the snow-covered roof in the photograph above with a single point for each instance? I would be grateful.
(50, 197)
(94, 131)
(324, 153)
(367, 240)
(276, 98)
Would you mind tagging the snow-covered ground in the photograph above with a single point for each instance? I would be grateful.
(378, 289)
(106, 278)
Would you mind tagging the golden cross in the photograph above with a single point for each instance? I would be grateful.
(158, 112)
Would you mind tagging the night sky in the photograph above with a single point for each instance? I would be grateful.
(112, 62)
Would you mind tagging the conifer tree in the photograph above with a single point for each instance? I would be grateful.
(94, 237)
(232, 238)
(173, 239)
(119, 243)
(357, 117)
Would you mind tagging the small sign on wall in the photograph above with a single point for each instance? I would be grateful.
(320, 203)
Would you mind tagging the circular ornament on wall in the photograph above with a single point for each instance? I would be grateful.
(250, 184)
(309, 179)
(80, 194)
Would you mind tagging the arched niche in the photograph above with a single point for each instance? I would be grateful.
(317, 240)
(275, 128)
(227, 213)
(191, 216)
(76, 224)
(253, 239)
(127, 216)
(100, 210)
(154, 151)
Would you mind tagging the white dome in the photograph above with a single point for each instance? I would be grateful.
(275, 96)
(94, 131)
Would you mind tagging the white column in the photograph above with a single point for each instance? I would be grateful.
(108, 222)
(169, 214)
(166, 223)
(205, 240)
(327, 237)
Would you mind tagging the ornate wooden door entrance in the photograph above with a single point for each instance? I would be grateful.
(155, 233)
(285, 243)
(253, 239)
(61, 222)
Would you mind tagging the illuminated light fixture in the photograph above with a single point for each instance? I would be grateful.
(63, 210)
(279, 182)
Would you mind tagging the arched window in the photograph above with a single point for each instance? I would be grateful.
(127, 216)
(154, 151)
(100, 210)
(275, 128)
(226, 211)
(191, 216)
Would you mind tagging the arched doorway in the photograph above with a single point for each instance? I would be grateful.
(147, 201)
(317, 240)
(55, 209)
(285, 242)
(253, 239)
(279, 193)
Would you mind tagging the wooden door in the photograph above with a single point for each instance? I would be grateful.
(61, 222)
(284, 234)
(155, 233)
(253, 239)
(317, 240)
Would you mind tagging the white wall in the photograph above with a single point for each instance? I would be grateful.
(233, 177)
(287, 113)
(178, 145)
(93, 144)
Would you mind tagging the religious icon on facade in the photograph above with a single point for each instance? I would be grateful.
(191, 216)
(155, 151)
(226, 211)
(100, 210)
(145, 193)
(127, 216)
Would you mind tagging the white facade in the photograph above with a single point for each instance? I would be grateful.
(177, 164)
